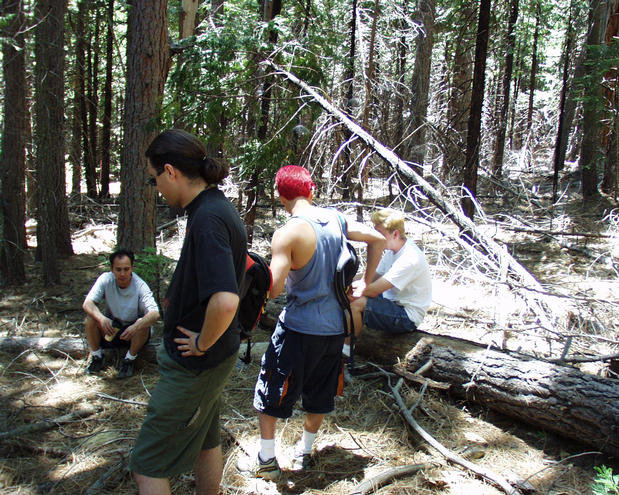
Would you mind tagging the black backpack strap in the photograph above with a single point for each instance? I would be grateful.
(247, 357)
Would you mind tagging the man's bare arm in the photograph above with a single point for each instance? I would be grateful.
(375, 243)
(281, 259)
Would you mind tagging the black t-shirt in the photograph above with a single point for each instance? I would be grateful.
(212, 260)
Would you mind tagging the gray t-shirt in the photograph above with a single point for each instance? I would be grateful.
(126, 305)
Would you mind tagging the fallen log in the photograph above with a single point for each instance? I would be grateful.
(74, 347)
(78, 348)
(556, 398)
(384, 348)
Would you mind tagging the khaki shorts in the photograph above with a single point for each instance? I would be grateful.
(182, 418)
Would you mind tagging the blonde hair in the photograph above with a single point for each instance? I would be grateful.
(390, 220)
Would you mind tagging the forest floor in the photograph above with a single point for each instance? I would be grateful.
(577, 255)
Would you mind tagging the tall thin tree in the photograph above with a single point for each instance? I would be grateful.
(510, 46)
(53, 235)
(106, 129)
(420, 86)
(590, 152)
(13, 160)
(148, 61)
(473, 136)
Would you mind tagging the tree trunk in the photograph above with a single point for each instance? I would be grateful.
(459, 97)
(562, 132)
(420, 87)
(78, 348)
(510, 46)
(349, 78)
(532, 78)
(557, 398)
(80, 89)
(473, 136)
(611, 167)
(148, 61)
(187, 21)
(13, 159)
(106, 131)
(385, 348)
(400, 60)
(93, 99)
(590, 152)
(53, 237)
(271, 9)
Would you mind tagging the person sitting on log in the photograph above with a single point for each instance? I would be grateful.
(397, 300)
(130, 311)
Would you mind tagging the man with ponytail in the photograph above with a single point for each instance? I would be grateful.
(201, 334)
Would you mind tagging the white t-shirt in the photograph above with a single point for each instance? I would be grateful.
(126, 305)
(409, 273)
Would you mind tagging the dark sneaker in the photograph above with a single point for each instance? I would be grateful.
(268, 470)
(125, 369)
(95, 365)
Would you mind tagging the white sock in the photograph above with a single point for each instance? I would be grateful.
(346, 350)
(97, 353)
(306, 442)
(267, 449)
(130, 356)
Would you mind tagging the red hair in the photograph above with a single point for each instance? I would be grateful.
(293, 181)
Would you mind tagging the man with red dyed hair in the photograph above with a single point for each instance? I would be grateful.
(304, 357)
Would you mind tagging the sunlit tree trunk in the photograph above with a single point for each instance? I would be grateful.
(81, 33)
(271, 9)
(477, 99)
(148, 61)
(533, 76)
(53, 236)
(93, 96)
(420, 87)
(459, 99)
(106, 130)
(590, 152)
(611, 169)
(349, 78)
(510, 46)
(13, 160)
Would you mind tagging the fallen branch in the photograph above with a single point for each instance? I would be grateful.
(547, 310)
(111, 474)
(448, 454)
(399, 369)
(48, 424)
(374, 483)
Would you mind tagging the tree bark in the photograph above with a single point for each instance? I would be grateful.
(562, 131)
(53, 236)
(556, 398)
(13, 160)
(473, 137)
(81, 32)
(187, 21)
(106, 131)
(93, 98)
(532, 78)
(148, 61)
(420, 86)
(590, 151)
(510, 46)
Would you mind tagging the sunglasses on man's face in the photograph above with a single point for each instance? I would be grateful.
(152, 180)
